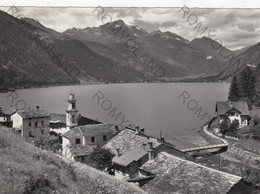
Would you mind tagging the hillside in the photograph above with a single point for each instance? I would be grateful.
(27, 169)
(23, 63)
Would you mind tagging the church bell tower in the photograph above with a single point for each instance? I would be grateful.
(71, 112)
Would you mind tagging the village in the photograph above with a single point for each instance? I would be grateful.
(130, 154)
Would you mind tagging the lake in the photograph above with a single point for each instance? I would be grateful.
(153, 106)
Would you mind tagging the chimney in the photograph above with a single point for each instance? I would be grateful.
(117, 152)
(150, 150)
(150, 145)
(137, 129)
(116, 128)
(142, 131)
(229, 102)
(37, 107)
(162, 138)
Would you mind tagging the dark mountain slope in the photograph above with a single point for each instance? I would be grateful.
(169, 50)
(28, 53)
(23, 63)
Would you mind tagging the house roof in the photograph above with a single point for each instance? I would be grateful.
(32, 113)
(61, 118)
(127, 140)
(86, 121)
(57, 118)
(60, 131)
(80, 150)
(223, 107)
(175, 175)
(7, 110)
(130, 156)
(90, 130)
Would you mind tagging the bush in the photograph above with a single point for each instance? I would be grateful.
(228, 127)
(256, 132)
(100, 158)
(224, 125)
(256, 120)
(234, 126)
(51, 143)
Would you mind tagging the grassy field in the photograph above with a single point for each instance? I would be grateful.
(25, 168)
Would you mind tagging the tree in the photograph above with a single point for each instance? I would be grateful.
(234, 90)
(100, 158)
(234, 126)
(256, 120)
(247, 83)
(224, 126)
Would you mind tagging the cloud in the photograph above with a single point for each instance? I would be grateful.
(236, 28)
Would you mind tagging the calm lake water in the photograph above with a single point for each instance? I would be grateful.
(154, 106)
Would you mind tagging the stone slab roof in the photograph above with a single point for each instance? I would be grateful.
(32, 113)
(223, 107)
(90, 130)
(175, 175)
(7, 110)
(127, 140)
(129, 157)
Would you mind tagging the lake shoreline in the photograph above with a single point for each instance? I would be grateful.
(154, 106)
(12, 89)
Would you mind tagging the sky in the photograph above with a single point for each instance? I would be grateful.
(234, 28)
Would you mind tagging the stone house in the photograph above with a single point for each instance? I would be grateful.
(31, 123)
(233, 111)
(80, 140)
(132, 149)
(126, 165)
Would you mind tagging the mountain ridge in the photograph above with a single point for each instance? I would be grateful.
(108, 54)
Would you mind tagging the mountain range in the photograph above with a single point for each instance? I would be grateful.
(34, 55)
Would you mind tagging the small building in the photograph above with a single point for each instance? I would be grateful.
(88, 135)
(132, 148)
(31, 123)
(126, 166)
(5, 116)
(233, 111)
(79, 141)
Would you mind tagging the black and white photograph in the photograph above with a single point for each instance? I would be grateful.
(101, 99)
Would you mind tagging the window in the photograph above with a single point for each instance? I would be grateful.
(42, 123)
(36, 124)
(73, 119)
(30, 134)
(92, 139)
(73, 105)
(104, 138)
(42, 131)
(78, 141)
(30, 124)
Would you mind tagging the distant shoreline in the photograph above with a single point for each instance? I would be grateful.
(96, 83)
